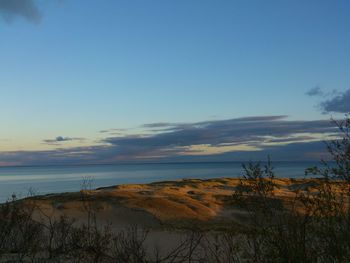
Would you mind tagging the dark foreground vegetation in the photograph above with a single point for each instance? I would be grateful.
(312, 226)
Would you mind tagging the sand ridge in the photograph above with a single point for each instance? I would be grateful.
(159, 202)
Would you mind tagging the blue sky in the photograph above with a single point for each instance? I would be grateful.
(72, 68)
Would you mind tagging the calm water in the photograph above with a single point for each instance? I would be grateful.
(55, 179)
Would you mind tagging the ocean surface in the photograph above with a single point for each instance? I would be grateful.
(54, 179)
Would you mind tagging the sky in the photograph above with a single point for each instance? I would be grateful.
(112, 81)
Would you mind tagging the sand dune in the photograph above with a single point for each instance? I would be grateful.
(157, 204)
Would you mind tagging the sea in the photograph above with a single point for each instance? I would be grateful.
(39, 180)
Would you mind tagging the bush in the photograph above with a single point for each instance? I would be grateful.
(312, 227)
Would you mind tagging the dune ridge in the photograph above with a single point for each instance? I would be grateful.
(161, 202)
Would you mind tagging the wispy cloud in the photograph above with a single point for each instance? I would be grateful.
(248, 133)
(118, 131)
(316, 91)
(61, 139)
(220, 140)
(339, 103)
(158, 125)
(27, 9)
(333, 101)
